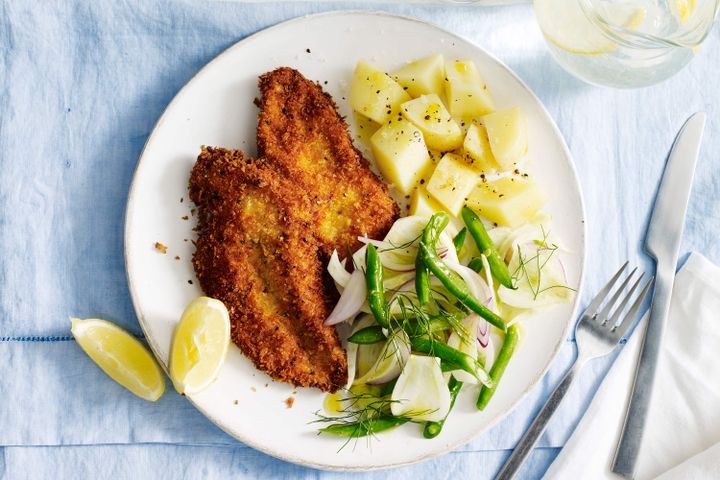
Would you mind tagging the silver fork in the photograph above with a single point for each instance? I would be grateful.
(596, 335)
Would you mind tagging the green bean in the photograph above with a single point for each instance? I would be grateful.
(497, 265)
(422, 281)
(451, 280)
(422, 273)
(364, 428)
(446, 366)
(459, 240)
(434, 324)
(498, 368)
(416, 328)
(367, 335)
(476, 264)
(444, 352)
(434, 228)
(457, 286)
(432, 429)
(375, 289)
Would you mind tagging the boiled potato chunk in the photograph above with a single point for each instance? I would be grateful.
(507, 133)
(401, 154)
(477, 149)
(465, 90)
(429, 114)
(374, 94)
(510, 201)
(451, 182)
(422, 76)
(364, 128)
(422, 204)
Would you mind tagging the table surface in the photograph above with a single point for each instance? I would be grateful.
(82, 86)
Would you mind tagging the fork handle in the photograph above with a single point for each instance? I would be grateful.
(528, 441)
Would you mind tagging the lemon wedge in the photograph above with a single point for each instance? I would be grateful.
(566, 26)
(119, 354)
(200, 344)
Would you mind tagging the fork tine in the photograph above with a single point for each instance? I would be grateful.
(618, 311)
(629, 319)
(605, 312)
(595, 304)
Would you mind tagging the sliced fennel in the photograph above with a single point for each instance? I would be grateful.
(358, 362)
(389, 362)
(402, 242)
(527, 233)
(421, 391)
(365, 356)
(466, 341)
(540, 278)
(398, 280)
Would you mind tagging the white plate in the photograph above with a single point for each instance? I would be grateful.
(216, 108)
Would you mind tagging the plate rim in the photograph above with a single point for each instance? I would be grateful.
(247, 440)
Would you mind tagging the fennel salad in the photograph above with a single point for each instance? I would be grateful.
(430, 313)
(437, 305)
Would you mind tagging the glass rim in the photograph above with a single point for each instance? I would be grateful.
(690, 37)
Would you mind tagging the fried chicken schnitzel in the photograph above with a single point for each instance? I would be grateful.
(301, 133)
(256, 253)
(268, 226)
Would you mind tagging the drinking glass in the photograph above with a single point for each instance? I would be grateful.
(625, 43)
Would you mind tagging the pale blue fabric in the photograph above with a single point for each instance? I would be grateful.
(81, 85)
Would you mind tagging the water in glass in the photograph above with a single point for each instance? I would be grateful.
(625, 43)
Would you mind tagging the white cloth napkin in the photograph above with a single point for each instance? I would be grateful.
(682, 436)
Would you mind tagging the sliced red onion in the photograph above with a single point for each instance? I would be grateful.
(483, 329)
(480, 290)
(491, 302)
(483, 333)
(337, 271)
(490, 354)
(351, 300)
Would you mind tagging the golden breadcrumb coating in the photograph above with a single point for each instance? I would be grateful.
(301, 133)
(257, 254)
(268, 226)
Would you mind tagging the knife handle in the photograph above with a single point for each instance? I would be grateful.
(628, 448)
(531, 437)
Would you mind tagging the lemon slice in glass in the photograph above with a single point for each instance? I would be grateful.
(564, 24)
(200, 344)
(121, 355)
(682, 9)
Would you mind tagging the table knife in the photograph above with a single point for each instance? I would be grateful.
(662, 242)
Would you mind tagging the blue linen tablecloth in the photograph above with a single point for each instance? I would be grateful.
(81, 86)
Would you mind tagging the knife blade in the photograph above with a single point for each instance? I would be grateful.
(662, 242)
